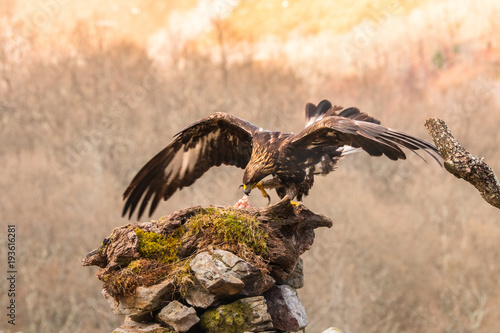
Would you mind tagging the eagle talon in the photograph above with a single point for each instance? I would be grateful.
(247, 189)
(295, 203)
(264, 193)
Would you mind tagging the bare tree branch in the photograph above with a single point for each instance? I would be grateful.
(463, 164)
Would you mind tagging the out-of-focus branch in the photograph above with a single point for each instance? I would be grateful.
(463, 164)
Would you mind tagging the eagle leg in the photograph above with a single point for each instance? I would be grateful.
(263, 191)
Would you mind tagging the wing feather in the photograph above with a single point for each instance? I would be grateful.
(325, 109)
(217, 139)
(356, 114)
(375, 139)
(315, 113)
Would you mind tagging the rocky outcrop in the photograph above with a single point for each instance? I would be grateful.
(209, 269)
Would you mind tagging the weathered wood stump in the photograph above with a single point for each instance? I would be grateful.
(209, 269)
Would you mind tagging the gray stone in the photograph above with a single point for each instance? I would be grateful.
(178, 316)
(130, 326)
(199, 297)
(296, 279)
(255, 281)
(286, 310)
(228, 258)
(144, 300)
(260, 319)
(223, 273)
(213, 275)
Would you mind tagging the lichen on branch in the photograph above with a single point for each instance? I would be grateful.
(462, 164)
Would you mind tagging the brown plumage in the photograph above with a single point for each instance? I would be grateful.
(292, 159)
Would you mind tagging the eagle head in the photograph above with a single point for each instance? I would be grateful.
(251, 177)
(251, 180)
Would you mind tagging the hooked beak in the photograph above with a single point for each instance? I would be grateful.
(246, 189)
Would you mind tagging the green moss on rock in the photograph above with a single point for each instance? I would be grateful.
(232, 318)
(230, 226)
(162, 248)
(227, 229)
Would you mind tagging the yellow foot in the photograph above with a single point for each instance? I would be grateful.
(295, 203)
(264, 193)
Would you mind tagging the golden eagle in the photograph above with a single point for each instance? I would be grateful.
(292, 159)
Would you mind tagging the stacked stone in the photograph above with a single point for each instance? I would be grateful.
(220, 277)
(228, 294)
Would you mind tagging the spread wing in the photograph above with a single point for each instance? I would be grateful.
(337, 131)
(217, 139)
